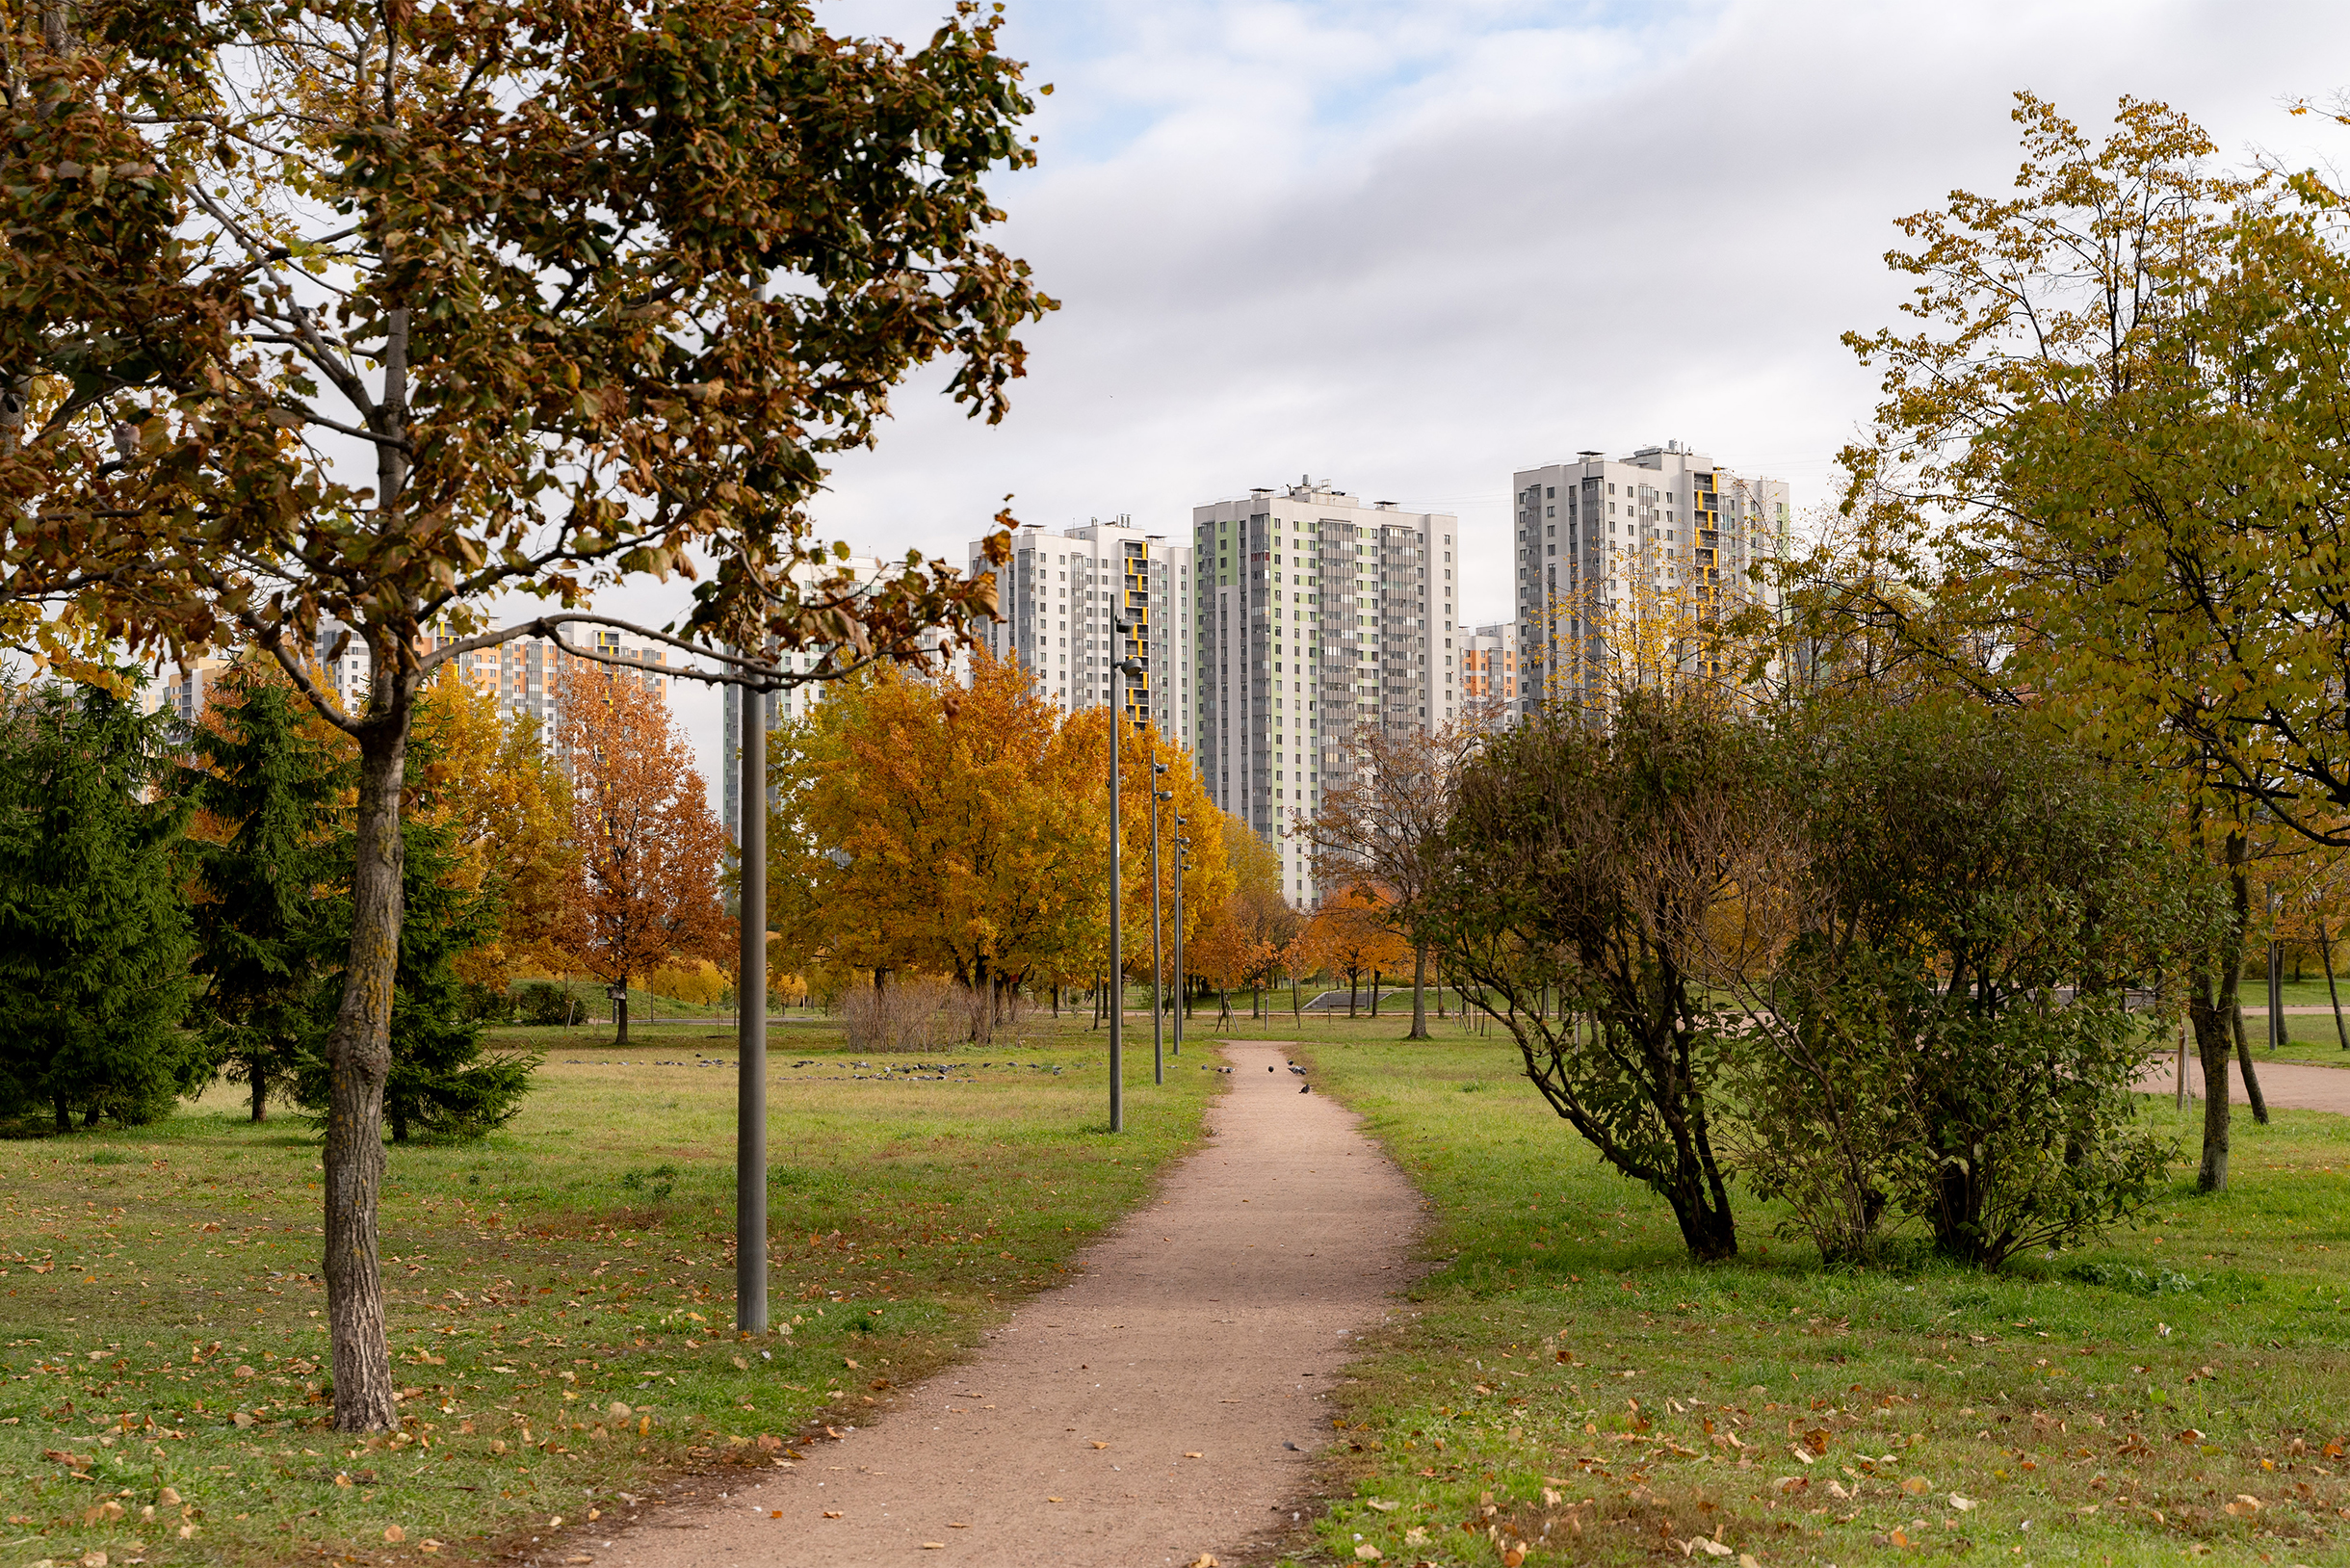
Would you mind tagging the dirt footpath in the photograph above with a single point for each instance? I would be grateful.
(1138, 1416)
(2293, 1084)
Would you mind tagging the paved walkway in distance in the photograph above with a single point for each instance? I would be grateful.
(2294, 1083)
(1136, 1417)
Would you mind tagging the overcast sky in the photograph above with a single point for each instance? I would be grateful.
(1408, 246)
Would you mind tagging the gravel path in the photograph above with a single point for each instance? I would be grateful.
(2294, 1083)
(1141, 1415)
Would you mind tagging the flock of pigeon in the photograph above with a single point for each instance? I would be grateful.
(1302, 1089)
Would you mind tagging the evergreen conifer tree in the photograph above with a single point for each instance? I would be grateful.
(443, 1081)
(262, 935)
(93, 932)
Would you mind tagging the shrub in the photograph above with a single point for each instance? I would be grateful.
(907, 1013)
(543, 1002)
(1938, 1027)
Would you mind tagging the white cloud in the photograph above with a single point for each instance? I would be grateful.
(1409, 245)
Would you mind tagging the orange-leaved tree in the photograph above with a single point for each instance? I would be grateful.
(644, 887)
(1355, 935)
(931, 826)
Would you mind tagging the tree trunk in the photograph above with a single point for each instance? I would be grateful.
(2211, 1010)
(2325, 951)
(1374, 993)
(358, 1062)
(64, 1114)
(2243, 1056)
(261, 1089)
(620, 1018)
(1419, 993)
(1354, 988)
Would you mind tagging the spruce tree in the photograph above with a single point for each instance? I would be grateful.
(93, 932)
(443, 1081)
(261, 931)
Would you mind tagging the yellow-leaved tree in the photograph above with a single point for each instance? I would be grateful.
(492, 781)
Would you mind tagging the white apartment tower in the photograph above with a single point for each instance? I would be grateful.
(1595, 536)
(1055, 602)
(1317, 612)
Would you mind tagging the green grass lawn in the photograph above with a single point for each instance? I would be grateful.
(1565, 1377)
(561, 1292)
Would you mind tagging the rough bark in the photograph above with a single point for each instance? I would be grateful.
(620, 1017)
(360, 1060)
(1419, 993)
(261, 1092)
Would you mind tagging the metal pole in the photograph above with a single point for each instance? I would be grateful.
(1158, 1055)
(1181, 866)
(1117, 980)
(750, 1048)
(2276, 993)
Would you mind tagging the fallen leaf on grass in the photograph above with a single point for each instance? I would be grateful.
(1383, 1504)
(1365, 1551)
(2244, 1506)
(393, 1532)
(1917, 1486)
(1962, 1504)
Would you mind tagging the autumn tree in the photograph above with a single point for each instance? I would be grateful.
(1382, 823)
(269, 789)
(2112, 441)
(956, 829)
(327, 314)
(644, 888)
(941, 828)
(1354, 933)
(494, 785)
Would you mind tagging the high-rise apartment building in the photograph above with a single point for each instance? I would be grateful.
(1055, 600)
(1317, 612)
(1598, 541)
(1489, 666)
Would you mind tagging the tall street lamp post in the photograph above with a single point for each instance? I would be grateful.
(1182, 865)
(1122, 670)
(750, 1044)
(1158, 1062)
